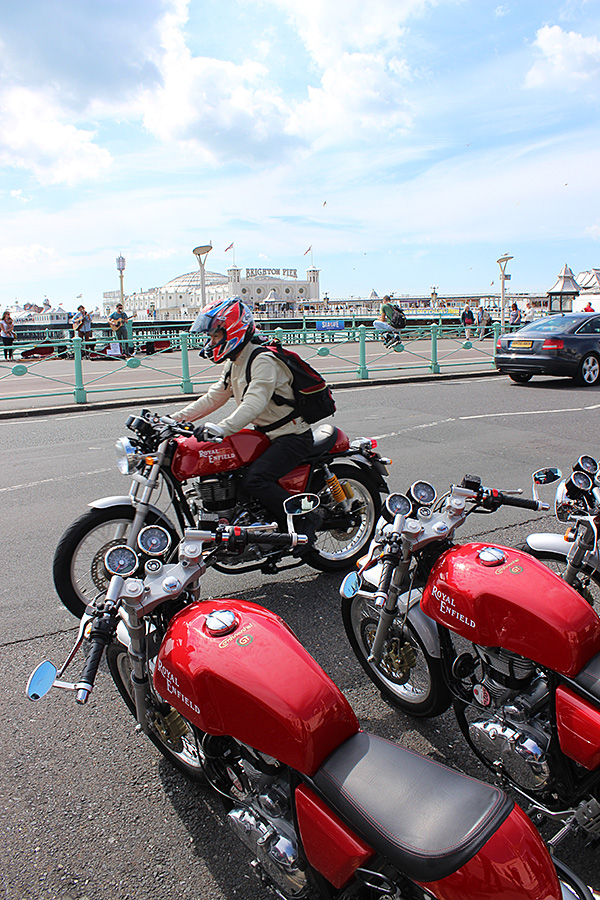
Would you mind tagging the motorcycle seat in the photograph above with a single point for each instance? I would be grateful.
(428, 820)
(325, 437)
(589, 677)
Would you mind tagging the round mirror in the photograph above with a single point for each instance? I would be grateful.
(350, 585)
(41, 680)
(300, 504)
(547, 476)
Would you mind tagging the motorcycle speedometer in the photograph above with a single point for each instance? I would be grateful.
(398, 504)
(422, 492)
(154, 540)
(586, 464)
(577, 484)
(121, 560)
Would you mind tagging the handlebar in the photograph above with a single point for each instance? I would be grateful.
(237, 538)
(103, 629)
(494, 499)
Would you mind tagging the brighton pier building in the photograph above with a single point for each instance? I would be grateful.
(278, 290)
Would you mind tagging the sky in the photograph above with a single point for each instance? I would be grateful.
(408, 143)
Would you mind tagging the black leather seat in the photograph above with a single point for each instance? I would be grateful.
(325, 437)
(589, 677)
(425, 818)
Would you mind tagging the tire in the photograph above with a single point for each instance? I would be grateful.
(589, 370)
(78, 570)
(520, 377)
(588, 579)
(184, 754)
(336, 550)
(418, 689)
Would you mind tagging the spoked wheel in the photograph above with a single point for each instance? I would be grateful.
(588, 580)
(347, 534)
(78, 569)
(407, 676)
(589, 370)
(173, 735)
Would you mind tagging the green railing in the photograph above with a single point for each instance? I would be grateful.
(357, 352)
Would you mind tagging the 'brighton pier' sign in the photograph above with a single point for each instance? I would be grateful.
(291, 273)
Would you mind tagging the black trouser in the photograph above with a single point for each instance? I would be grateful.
(284, 454)
(8, 342)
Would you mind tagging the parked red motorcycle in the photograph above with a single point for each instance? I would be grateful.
(227, 693)
(492, 631)
(201, 481)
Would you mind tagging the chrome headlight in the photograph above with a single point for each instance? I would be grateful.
(127, 456)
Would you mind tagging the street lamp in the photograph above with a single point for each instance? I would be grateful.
(201, 253)
(503, 277)
(121, 269)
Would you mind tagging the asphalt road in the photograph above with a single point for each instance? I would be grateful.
(89, 808)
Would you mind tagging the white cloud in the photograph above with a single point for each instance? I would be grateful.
(35, 137)
(566, 59)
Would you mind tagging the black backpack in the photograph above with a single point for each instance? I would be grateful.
(398, 319)
(313, 399)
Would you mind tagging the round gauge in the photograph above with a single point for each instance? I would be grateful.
(587, 464)
(154, 540)
(581, 481)
(398, 504)
(423, 493)
(121, 560)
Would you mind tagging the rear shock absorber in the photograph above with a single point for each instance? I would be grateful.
(337, 491)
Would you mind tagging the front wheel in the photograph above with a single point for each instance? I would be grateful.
(589, 370)
(588, 579)
(345, 534)
(173, 735)
(407, 676)
(78, 568)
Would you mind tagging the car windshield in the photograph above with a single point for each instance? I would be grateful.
(551, 325)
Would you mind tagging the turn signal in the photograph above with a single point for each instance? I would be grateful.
(150, 460)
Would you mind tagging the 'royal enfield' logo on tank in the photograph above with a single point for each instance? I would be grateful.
(173, 687)
(216, 455)
(447, 607)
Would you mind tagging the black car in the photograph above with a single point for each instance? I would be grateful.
(563, 345)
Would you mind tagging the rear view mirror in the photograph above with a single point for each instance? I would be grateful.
(300, 504)
(41, 680)
(547, 476)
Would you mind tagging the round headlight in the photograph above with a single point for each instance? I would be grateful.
(127, 456)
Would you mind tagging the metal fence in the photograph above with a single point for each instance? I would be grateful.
(55, 368)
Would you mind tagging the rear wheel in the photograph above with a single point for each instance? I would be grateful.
(347, 534)
(589, 370)
(173, 735)
(520, 377)
(407, 676)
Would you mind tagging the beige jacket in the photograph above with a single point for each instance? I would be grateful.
(255, 407)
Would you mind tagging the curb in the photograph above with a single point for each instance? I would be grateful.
(179, 398)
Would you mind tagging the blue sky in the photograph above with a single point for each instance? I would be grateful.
(410, 143)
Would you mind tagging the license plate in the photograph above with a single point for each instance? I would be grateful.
(524, 344)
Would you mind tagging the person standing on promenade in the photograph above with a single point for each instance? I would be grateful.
(514, 318)
(7, 332)
(82, 325)
(117, 322)
(468, 320)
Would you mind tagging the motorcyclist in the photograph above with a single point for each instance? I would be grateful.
(231, 332)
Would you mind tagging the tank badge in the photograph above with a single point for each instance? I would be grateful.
(241, 637)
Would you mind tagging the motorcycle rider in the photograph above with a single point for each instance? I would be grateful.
(230, 329)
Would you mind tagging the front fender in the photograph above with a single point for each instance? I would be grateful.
(556, 543)
(106, 502)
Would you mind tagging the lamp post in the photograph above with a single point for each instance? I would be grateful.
(121, 269)
(201, 253)
(503, 277)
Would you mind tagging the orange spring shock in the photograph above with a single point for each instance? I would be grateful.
(337, 491)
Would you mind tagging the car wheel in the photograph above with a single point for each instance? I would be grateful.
(520, 377)
(589, 370)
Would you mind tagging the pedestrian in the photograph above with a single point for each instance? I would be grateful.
(391, 320)
(528, 315)
(468, 320)
(7, 332)
(117, 322)
(589, 307)
(514, 318)
(230, 330)
(82, 326)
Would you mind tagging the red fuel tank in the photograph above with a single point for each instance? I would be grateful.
(518, 604)
(255, 682)
(194, 458)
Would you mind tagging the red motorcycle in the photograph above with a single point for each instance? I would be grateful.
(200, 482)
(227, 693)
(494, 632)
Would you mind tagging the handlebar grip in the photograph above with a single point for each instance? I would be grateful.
(521, 502)
(277, 538)
(88, 676)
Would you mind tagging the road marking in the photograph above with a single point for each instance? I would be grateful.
(31, 484)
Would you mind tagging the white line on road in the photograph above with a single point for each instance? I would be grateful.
(31, 484)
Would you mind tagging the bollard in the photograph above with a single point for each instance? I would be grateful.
(434, 365)
(362, 372)
(186, 384)
(79, 393)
